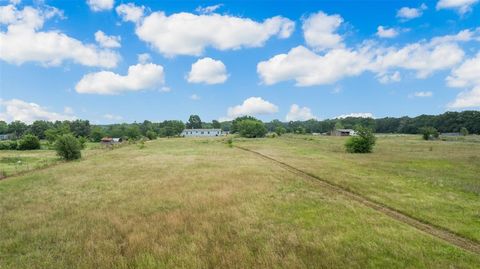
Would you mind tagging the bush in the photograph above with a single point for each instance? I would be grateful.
(83, 142)
(464, 131)
(29, 142)
(428, 133)
(151, 135)
(230, 142)
(363, 142)
(272, 135)
(280, 130)
(251, 128)
(8, 145)
(68, 147)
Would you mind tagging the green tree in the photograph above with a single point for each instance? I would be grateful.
(29, 142)
(17, 128)
(362, 142)
(251, 128)
(151, 135)
(234, 128)
(216, 124)
(68, 147)
(280, 130)
(429, 133)
(80, 128)
(194, 122)
(39, 127)
(3, 127)
(97, 133)
(133, 132)
(464, 131)
(53, 133)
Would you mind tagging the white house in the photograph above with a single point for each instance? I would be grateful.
(343, 132)
(202, 132)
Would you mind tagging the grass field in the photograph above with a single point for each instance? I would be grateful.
(197, 203)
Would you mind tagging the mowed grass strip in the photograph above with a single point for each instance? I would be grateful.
(434, 181)
(196, 203)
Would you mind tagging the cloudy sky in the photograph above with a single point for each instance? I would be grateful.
(118, 61)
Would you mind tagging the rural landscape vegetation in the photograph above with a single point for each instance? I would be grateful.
(397, 187)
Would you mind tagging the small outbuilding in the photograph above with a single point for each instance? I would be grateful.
(343, 132)
(202, 132)
(111, 140)
(6, 136)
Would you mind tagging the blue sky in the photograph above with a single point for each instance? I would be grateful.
(287, 60)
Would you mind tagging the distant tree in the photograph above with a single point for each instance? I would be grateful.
(39, 127)
(339, 125)
(53, 133)
(280, 130)
(171, 128)
(251, 128)
(216, 124)
(429, 133)
(235, 122)
(362, 142)
(133, 132)
(17, 128)
(464, 131)
(97, 133)
(146, 126)
(80, 128)
(194, 122)
(68, 147)
(29, 142)
(151, 135)
(3, 127)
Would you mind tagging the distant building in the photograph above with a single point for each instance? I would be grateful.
(450, 134)
(202, 132)
(110, 140)
(6, 136)
(343, 132)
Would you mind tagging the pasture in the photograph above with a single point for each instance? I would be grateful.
(198, 203)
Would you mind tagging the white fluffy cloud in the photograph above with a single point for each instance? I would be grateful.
(130, 12)
(24, 42)
(462, 6)
(319, 30)
(251, 107)
(112, 117)
(190, 34)
(466, 76)
(107, 41)
(298, 113)
(16, 109)
(139, 77)
(356, 115)
(208, 71)
(308, 68)
(384, 32)
(208, 9)
(100, 5)
(421, 94)
(386, 78)
(408, 13)
(144, 58)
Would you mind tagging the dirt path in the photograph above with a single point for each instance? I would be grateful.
(438, 232)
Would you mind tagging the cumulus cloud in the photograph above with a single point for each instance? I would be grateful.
(384, 32)
(112, 117)
(100, 5)
(190, 34)
(408, 13)
(319, 30)
(356, 115)
(107, 41)
(208, 71)
(421, 94)
(24, 42)
(139, 77)
(251, 107)
(308, 68)
(130, 12)
(298, 113)
(461, 6)
(466, 76)
(144, 58)
(389, 78)
(208, 9)
(16, 109)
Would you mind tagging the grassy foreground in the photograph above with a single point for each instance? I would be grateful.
(196, 203)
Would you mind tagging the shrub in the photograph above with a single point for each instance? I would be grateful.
(251, 128)
(272, 135)
(68, 147)
(428, 133)
(83, 142)
(29, 142)
(280, 130)
(464, 131)
(230, 142)
(363, 142)
(8, 145)
(151, 135)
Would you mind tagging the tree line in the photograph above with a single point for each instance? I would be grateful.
(444, 123)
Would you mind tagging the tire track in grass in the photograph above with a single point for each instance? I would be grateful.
(435, 231)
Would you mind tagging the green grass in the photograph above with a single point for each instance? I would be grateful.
(197, 203)
(435, 181)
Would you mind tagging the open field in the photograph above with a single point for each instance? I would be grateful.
(197, 203)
